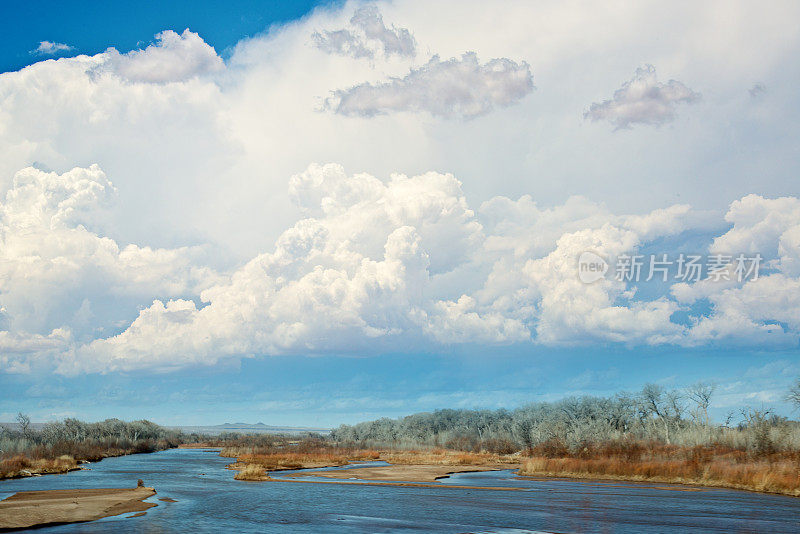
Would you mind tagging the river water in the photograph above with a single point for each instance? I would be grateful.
(209, 500)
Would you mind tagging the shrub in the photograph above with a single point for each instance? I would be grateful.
(251, 472)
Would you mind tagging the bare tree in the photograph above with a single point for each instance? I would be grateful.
(664, 405)
(757, 424)
(522, 430)
(24, 423)
(700, 393)
(728, 419)
(793, 396)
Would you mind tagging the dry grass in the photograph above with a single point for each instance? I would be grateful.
(303, 456)
(278, 455)
(20, 466)
(251, 472)
(294, 456)
(707, 466)
(446, 457)
(777, 472)
(63, 456)
(281, 461)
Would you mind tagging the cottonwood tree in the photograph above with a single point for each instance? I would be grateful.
(758, 424)
(793, 396)
(24, 423)
(522, 430)
(654, 414)
(700, 393)
(665, 406)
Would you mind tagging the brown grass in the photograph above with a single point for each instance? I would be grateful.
(281, 461)
(293, 455)
(252, 462)
(64, 456)
(20, 465)
(777, 472)
(446, 457)
(251, 472)
(707, 466)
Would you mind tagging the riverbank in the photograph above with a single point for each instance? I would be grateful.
(30, 449)
(21, 466)
(253, 463)
(771, 475)
(422, 466)
(777, 473)
(404, 473)
(29, 509)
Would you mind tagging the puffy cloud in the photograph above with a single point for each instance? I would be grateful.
(367, 36)
(78, 111)
(49, 48)
(765, 226)
(374, 266)
(371, 269)
(20, 342)
(224, 141)
(51, 262)
(172, 58)
(764, 309)
(362, 211)
(763, 312)
(351, 279)
(464, 321)
(200, 149)
(18, 350)
(460, 87)
(543, 289)
(642, 100)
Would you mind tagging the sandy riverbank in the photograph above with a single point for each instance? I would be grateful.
(27, 509)
(405, 473)
(302, 480)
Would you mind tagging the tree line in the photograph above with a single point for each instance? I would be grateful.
(71, 435)
(669, 416)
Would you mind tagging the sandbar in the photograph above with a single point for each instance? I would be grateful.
(26, 509)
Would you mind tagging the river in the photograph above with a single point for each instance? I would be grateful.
(210, 500)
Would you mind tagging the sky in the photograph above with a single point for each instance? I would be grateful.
(321, 213)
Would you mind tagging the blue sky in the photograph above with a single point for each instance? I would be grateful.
(91, 27)
(271, 212)
(330, 390)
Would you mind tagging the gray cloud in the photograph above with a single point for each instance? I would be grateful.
(452, 88)
(642, 100)
(368, 36)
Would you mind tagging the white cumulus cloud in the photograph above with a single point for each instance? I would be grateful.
(172, 58)
(53, 265)
(200, 253)
(378, 265)
(373, 266)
